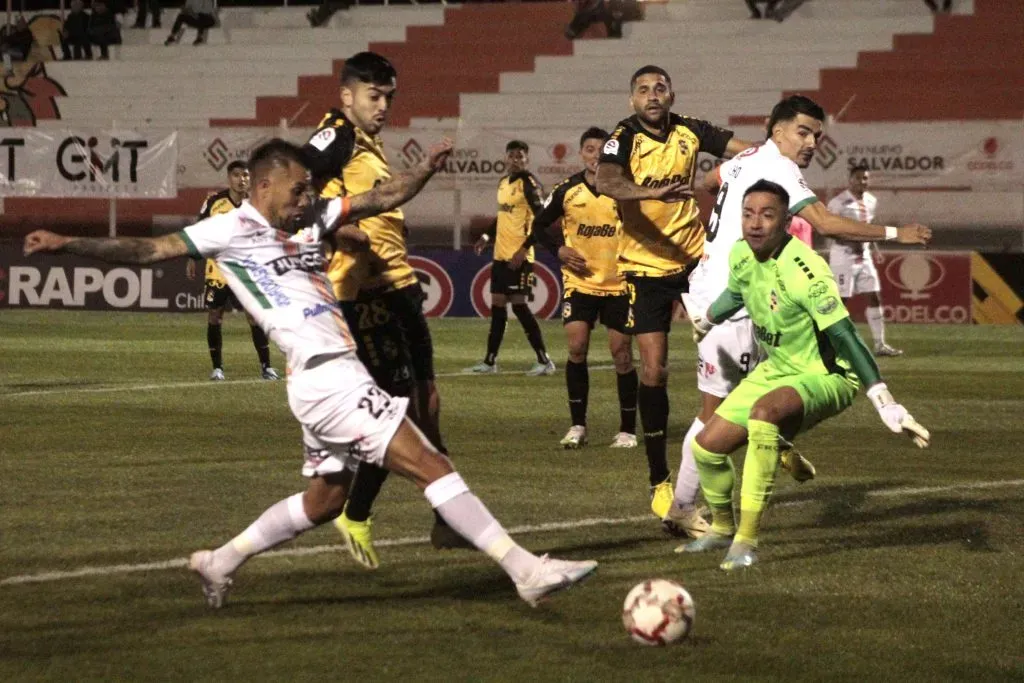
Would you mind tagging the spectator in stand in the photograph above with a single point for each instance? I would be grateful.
(769, 8)
(611, 12)
(321, 14)
(784, 8)
(74, 39)
(15, 43)
(200, 15)
(103, 28)
(143, 7)
(947, 6)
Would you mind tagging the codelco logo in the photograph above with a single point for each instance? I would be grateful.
(914, 275)
(119, 287)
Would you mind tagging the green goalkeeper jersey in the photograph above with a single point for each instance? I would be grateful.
(791, 298)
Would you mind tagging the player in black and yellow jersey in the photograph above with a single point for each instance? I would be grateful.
(592, 289)
(217, 294)
(379, 292)
(648, 166)
(512, 270)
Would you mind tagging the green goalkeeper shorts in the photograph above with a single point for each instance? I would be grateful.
(824, 396)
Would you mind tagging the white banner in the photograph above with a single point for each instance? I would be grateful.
(971, 155)
(75, 163)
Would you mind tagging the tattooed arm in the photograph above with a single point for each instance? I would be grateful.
(134, 250)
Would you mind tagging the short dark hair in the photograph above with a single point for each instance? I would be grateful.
(368, 67)
(858, 168)
(517, 144)
(593, 133)
(237, 163)
(648, 69)
(791, 107)
(771, 188)
(275, 153)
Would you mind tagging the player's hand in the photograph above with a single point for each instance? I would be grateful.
(914, 233)
(573, 260)
(437, 155)
(673, 192)
(351, 239)
(896, 417)
(700, 322)
(517, 259)
(44, 240)
(479, 246)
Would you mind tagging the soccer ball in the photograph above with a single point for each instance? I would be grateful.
(658, 612)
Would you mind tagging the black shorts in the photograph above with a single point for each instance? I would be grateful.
(407, 306)
(508, 281)
(379, 342)
(612, 311)
(651, 300)
(219, 295)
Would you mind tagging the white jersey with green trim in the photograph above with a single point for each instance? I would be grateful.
(279, 278)
(725, 227)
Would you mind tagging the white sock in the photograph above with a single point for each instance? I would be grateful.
(876, 322)
(688, 482)
(464, 512)
(282, 521)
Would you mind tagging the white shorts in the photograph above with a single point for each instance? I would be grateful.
(725, 356)
(346, 418)
(855, 276)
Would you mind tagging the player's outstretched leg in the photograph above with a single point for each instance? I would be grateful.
(282, 521)
(535, 577)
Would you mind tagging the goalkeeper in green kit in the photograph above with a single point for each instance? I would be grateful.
(815, 358)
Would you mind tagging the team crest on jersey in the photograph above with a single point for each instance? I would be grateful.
(827, 305)
(773, 301)
(817, 289)
(611, 147)
(684, 147)
(567, 310)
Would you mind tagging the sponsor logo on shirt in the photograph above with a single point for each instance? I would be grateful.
(319, 309)
(766, 336)
(309, 262)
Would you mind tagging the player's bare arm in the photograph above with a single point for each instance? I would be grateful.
(573, 260)
(134, 250)
(831, 225)
(351, 239)
(612, 181)
(735, 146)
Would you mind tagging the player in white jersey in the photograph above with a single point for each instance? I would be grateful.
(279, 278)
(730, 351)
(853, 262)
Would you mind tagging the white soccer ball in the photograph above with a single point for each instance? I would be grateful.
(658, 612)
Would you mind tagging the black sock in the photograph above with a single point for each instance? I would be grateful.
(499, 318)
(259, 340)
(627, 385)
(364, 491)
(532, 330)
(216, 343)
(577, 380)
(653, 402)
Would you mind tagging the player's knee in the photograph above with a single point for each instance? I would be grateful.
(623, 360)
(654, 375)
(522, 311)
(765, 411)
(578, 348)
(874, 300)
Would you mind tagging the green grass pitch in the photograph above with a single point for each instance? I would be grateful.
(115, 452)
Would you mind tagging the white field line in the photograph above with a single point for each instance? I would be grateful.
(43, 577)
(206, 383)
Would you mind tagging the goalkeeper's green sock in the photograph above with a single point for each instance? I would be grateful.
(717, 478)
(758, 478)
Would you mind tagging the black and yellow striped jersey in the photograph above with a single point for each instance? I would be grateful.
(590, 225)
(345, 160)
(660, 238)
(216, 203)
(518, 202)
